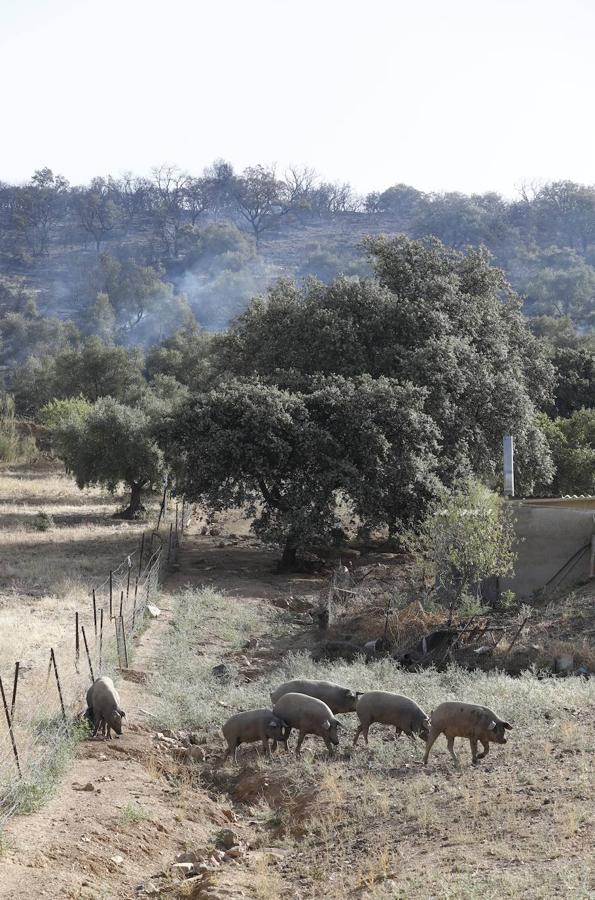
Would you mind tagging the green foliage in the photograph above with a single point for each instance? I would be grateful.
(572, 446)
(92, 370)
(563, 285)
(42, 521)
(288, 454)
(108, 444)
(466, 538)
(135, 293)
(183, 356)
(215, 248)
(444, 321)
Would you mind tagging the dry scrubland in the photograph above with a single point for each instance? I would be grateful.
(366, 823)
(376, 823)
(56, 544)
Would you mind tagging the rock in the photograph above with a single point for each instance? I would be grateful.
(221, 545)
(182, 869)
(118, 860)
(153, 610)
(83, 787)
(197, 738)
(214, 532)
(233, 853)
(228, 838)
(217, 854)
(204, 530)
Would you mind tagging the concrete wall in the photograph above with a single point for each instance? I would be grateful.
(549, 533)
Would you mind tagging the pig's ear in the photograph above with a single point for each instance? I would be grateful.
(326, 725)
(274, 723)
(359, 693)
(507, 725)
(351, 694)
(122, 713)
(338, 724)
(492, 726)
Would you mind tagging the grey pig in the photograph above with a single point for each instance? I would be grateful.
(338, 699)
(391, 709)
(253, 725)
(466, 720)
(103, 701)
(309, 716)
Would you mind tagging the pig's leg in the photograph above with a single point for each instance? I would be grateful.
(473, 743)
(266, 747)
(430, 743)
(486, 749)
(362, 729)
(301, 737)
(450, 743)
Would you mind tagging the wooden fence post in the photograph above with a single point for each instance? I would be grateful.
(95, 614)
(121, 602)
(171, 527)
(111, 592)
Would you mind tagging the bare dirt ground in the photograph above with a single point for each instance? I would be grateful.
(368, 824)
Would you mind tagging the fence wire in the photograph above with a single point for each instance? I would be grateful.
(37, 734)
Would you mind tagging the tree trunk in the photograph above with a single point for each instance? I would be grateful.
(288, 560)
(135, 506)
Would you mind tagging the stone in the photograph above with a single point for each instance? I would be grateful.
(118, 860)
(183, 869)
(153, 610)
(83, 787)
(233, 853)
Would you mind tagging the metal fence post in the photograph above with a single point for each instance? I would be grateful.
(53, 660)
(10, 731)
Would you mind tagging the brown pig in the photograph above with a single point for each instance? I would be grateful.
(466, 720)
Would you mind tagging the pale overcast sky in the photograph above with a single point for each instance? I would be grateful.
(467, 95)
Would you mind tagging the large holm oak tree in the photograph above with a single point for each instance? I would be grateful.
(442, 320)
(286, 456)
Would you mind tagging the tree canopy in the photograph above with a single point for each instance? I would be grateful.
(443, 320)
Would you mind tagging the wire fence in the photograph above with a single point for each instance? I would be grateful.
(40, 712)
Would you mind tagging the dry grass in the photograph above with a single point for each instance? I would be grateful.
(376, 823)
(45, 577)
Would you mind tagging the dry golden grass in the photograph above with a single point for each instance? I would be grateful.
(45, 577)
(376, 823)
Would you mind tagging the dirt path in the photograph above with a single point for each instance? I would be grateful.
(108, 841)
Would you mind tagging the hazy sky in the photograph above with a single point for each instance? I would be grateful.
(465, 95)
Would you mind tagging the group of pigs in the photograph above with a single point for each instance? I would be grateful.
(310, 707)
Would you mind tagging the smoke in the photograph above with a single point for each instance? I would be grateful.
(217, 297)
